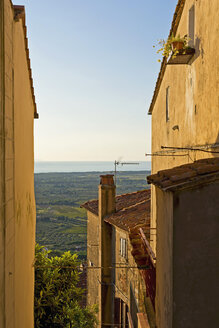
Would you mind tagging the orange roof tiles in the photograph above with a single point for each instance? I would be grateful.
(130, 216)
(91, 206)
(187, 175)
(122, 201)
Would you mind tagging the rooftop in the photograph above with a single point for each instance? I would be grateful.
(132, 215)
(122, 201)
(186, 176)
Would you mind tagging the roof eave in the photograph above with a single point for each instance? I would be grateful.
(175, 23)
(190, 183)
(19, 13)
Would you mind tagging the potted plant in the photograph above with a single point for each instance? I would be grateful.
(173, 45)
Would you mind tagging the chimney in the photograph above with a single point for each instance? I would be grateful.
(107, 205)
(107, 195)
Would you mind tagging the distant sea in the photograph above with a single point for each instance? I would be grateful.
(44, 167)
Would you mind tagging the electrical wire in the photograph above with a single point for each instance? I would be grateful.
(203, 148)
(191, 148)
(165, 155)
(141, 267)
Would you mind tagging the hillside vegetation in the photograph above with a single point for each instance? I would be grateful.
(61, 223)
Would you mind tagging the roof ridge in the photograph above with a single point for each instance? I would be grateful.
(132, 193)
(119, 196)
(133, 205)
(187, 175)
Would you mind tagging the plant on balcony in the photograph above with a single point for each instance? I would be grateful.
(57, 295)
(173, 45)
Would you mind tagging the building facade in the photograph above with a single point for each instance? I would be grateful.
(187, 271)
(117, 264)
(17, 201)
(185, 103)
(185, 149)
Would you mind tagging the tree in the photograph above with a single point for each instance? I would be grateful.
(57, 295)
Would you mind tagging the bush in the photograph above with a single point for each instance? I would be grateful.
(57, 295)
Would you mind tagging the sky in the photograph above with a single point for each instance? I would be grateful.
(94, 70)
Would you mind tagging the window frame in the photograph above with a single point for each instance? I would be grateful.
(123, 247)
(167, 104)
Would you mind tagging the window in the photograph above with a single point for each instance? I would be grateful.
(123, 247)
(191, 27)
(167, 104)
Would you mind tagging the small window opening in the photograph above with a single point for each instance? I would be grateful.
(167, 104)
(123, 247)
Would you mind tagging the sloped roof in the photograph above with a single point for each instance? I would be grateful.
(19, 13)
(187, 176)
(132, 215)
(122, 201)
(175, 23)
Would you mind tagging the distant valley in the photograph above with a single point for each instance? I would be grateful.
(61, 223)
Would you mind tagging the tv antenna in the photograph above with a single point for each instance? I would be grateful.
(116, 163)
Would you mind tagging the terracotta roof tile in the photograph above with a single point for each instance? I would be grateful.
(129, 217)
(145, 260)
(122, 201)
(187, 175)
(91, 206)
(132, 214)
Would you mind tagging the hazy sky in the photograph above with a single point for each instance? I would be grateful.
(94, 70)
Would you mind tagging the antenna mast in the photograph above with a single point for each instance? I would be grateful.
(122, 163)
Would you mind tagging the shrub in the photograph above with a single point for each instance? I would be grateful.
(57, 295)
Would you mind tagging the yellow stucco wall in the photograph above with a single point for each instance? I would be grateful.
(17, 225)
(193, 92)
(2, 207)
(193, 97)
(25, 212)
(8, 218)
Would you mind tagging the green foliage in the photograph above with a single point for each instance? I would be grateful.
(166, 47)
(57, 295)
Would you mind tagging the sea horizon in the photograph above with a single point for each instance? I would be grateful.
(88, 166)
